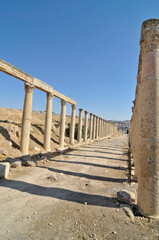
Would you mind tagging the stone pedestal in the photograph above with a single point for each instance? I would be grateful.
(79, 138)
(62, 124)
(26, 119)
(48, 122)
(85, 126)
(148, 172)
(72, 127)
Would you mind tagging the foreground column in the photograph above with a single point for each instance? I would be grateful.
(94, 126)
(85, 126)
(62, 124)
(26, 119)
(90, 126)
(48, 122)
(148, 172)
(72, 127)
(80, 125)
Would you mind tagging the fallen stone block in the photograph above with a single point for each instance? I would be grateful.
(4, 169)
(124, 197)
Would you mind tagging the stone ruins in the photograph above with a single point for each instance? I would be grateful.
(98, 127)
(144, 134)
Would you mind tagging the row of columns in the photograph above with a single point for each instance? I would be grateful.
(97, 127)
(144, 132)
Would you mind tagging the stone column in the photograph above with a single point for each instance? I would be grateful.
(80, 125)
(94, 126)
(26, 119)
(97, 127)
(85, 126)
(72, 127)
(62, 124)
(148, 172)
(48, 122)
(101, 128)
(90, 126)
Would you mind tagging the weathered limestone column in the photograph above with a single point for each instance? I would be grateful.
(90, 126)
(72, 127)
(48, 122)
(85, 126)
(148, 172)
(62, 124)
(94, 126)
(80, 125)
(26, 119)
(101, 128)
(97, 127)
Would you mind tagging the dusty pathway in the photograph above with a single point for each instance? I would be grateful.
(78, 201)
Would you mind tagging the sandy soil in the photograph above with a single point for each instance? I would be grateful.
(73, 197)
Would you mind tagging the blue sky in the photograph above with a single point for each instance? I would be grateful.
(85, 49)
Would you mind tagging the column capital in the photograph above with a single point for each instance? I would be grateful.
(50, 96)
(80, 109)
(73, 106)
(29, 87)
(86, 112)
(63, 102)
(91, 114)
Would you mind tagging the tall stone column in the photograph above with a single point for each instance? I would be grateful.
(97, 127)
(90, 126)
(26, 119)
(72, 127)
(48, 122)
(101, 128)
(80, 125)
(85, 126)
(148, 172)
(62, 124)
(94, 126)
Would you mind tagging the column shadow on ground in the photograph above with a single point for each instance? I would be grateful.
(83, 175)
(60, 193)
(96, 151)
(90, 156)
(6, 135)
(89, 164)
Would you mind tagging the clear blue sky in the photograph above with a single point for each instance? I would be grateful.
(86, 49)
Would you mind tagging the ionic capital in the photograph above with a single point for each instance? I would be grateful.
(50, 96)
(80, 109)
(86, 112)
(29, 87)
(63, 102)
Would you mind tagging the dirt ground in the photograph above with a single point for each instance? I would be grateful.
(73, 197)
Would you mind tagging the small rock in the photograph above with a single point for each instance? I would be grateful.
(31, 129)
(11, 128)
(10, 143)
(129, 213)
(16, 164)
(37, 149)
(28, 217)
(114, 232)
(117, 210)
(29, 163)
(52, 177)
(85, 203)
(4, 169)
(124, 197)
(50, 224)
(4, 152)
(35, 213)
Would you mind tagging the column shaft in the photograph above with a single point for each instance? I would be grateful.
(62, 124)
(48, 122)
(90, 126)
(80, 125)
(97, 122)
(85, 126)
(94, 126)
(72, 127)
(26, 119)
